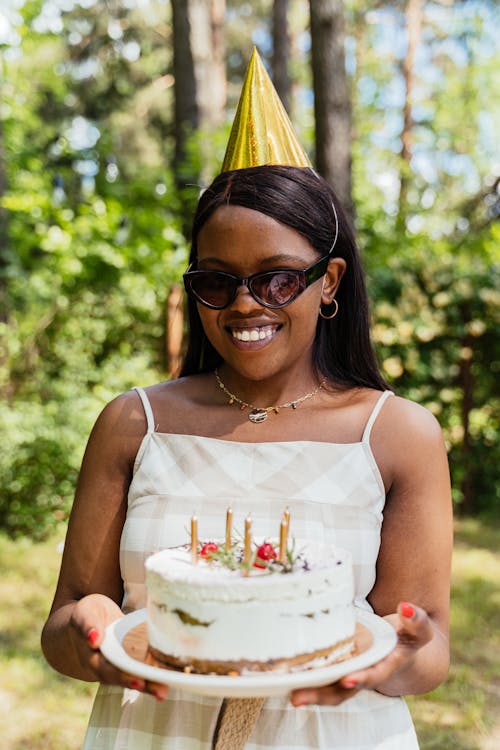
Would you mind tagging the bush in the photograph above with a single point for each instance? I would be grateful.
(436, 323)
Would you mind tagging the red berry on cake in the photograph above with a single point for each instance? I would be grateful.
(208, 549)
(265, 553)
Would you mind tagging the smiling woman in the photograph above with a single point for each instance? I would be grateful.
(251, 244)
(288, 209)
(279, 327)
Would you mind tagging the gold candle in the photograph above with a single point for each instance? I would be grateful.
(194, 539)
(286, 516)
(229, 527)
(283, 541)
(247, 551)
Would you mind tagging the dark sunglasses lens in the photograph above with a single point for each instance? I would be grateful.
(215, 289)
(277, 288)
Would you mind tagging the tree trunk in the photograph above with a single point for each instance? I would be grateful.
(466, 382)
(281, 51)
(3, 232)
(207, 44)
(4, 312)
(332, 104)
(175, 330)
(200, 89)
(209, 54)
(413, 30)
(199, 64)
(186, 113)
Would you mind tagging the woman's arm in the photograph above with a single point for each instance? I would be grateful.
(414, 561)
(90, 588)
(413, 567)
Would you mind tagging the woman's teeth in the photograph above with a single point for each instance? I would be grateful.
(252, 334)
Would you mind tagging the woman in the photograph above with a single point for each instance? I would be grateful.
(358, 467)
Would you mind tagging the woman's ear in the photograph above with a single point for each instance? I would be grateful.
(334, 272)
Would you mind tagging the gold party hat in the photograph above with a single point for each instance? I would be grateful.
(262, 132)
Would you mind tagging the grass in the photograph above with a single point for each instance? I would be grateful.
(462, 714)
(40, 709)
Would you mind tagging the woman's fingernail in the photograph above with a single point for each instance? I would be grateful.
(93, 636)
(349, 683)
(136, 685)
(407, 610)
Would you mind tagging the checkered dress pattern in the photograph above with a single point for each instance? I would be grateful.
(335, 495)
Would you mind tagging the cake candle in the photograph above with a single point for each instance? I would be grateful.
(286, 516)
(283, 541)
(194, 539)
(247, 550)
(229, 527)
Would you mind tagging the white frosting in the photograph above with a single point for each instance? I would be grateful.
(205, 611)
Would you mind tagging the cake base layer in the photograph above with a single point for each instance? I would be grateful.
(322, 657)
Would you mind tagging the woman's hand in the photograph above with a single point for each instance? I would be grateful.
(414, 629)
(89, 619)
(74, 631)
(414, 557)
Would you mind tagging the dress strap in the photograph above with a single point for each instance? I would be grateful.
(147, 408)
(373, 416)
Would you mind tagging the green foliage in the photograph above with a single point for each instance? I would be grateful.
(436, 323)
(96, 232)
(85, 323)
(94, 245)
(39, 472)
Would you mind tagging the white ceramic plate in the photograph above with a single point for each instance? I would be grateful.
(261, 684)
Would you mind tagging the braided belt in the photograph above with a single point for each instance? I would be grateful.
(236, 721)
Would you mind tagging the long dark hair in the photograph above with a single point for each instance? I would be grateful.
(300, 199)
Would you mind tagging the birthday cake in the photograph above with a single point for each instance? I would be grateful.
(216, 614)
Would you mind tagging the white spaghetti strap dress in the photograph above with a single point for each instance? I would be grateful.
(335, 494)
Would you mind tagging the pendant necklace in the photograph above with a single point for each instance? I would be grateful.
(259, 414)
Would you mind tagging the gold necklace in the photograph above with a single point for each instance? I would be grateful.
(259, 414)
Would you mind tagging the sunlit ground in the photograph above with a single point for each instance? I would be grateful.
(463, 714)
(41, 710)
(38, 708)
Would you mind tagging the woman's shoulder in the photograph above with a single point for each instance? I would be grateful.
(410, 418)
(394, 408)
(128, 403)
(167, 402)
(188, 391)
(406, 439)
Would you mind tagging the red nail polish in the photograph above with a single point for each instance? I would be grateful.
(349, 683)
(93, 636)
(407, 610)
(135, 684)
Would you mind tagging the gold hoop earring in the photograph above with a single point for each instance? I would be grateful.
(334, 305)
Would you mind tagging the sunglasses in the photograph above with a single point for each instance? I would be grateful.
(274, 289)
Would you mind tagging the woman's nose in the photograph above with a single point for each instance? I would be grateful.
(244, 299)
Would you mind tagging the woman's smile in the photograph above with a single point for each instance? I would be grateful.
(247, 337)
(243, 242)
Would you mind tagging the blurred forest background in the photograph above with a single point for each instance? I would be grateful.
(114, 114)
